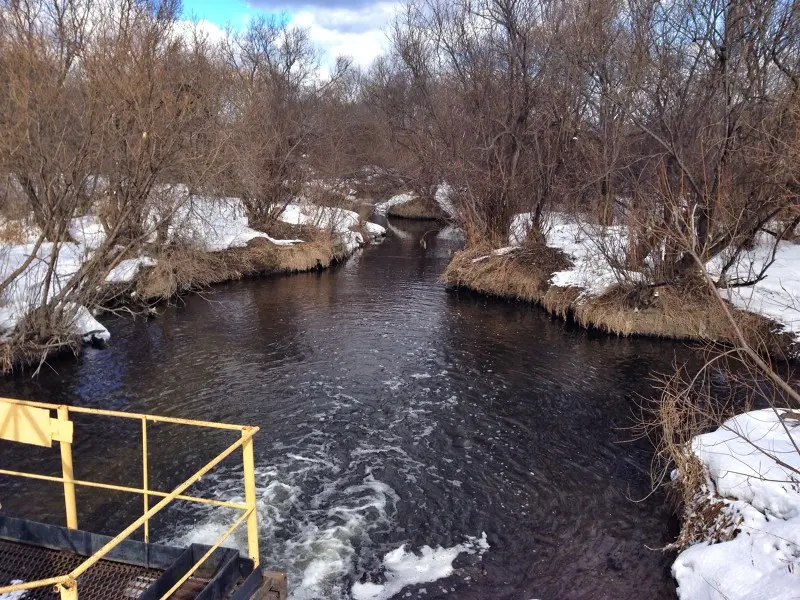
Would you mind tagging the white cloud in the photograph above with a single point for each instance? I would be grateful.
(358, 33)
(207, 30)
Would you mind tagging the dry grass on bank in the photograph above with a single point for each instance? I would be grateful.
(26, 349)
(180, 270)
(421, 209)
(683, 314)
(521, 275)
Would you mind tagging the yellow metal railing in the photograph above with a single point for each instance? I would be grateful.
(31, 422)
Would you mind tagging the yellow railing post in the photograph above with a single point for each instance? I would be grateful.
(145, 497)
(69, 477)
(248, 462)
(60, 429)
(68, 590)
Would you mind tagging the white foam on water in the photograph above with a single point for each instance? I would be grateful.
(312, 536)
(322, 505)
(403, 569)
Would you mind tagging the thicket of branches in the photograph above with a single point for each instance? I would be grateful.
(674, 118)
(121, 110)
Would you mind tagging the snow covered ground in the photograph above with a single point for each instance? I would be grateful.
(27, 290)
(14, 595)
(216, 224)
(337, 220)
(776, 297)
(753, 467)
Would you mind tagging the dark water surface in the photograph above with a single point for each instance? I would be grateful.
(392, 412)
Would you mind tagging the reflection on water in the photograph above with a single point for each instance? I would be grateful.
(392, 412)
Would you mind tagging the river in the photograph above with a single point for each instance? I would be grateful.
(393, 414)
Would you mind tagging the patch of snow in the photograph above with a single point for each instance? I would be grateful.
(383, 207)
(216, 224)
(88, 327)
(25, 292)
(451, 232)
(403, 568)
(444, 198)
(762, 497)
(351, 241)
(14, 595)
(374, 229)
(582, 242)
(87, 232)
(336, 220)
(740, 457)
(127, 269)
(777, 296)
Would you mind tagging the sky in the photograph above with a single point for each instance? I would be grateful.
(338, 27)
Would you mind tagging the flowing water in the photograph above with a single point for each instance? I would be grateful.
(404, 428)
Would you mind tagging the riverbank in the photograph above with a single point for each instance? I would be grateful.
(571, 278)
(207, 241)
(526, 275)
(741, 533)
(181, 271)
(224, 247)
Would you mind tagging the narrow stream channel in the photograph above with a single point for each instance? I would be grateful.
(392, 413)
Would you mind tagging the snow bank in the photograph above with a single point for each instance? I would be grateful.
(403, 568)
(336, 220)
(25, 292)
(444, 198)
(87, 232)
(778, 295)
(216, 224)
(383, 207)
(762, 498)
(584, 244)
(88, 327)
(126, 270)
(205, 223)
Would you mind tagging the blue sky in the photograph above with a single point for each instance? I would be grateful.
(220, 12)
(338, 27)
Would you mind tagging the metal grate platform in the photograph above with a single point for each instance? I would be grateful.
(106, 580)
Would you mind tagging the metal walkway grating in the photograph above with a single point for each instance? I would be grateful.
(106, 580)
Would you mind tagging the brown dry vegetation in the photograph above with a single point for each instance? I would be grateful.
(420, 209)
(682, 313)
(180, 270)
